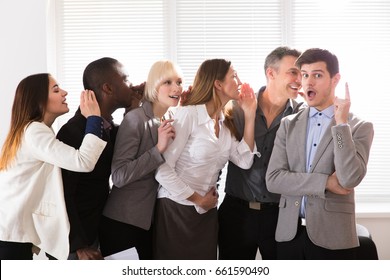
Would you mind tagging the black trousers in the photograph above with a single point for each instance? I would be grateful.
(242, 231)
(15, 251)
(116, 236)
(301, 248)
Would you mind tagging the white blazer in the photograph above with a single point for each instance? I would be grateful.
(32, 205)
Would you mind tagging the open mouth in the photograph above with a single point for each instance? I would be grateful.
(311, 94)
(174, 96)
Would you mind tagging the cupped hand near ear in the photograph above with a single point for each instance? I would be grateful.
(88, 104)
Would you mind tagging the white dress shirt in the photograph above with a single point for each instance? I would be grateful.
(32, 204)
(196, 156)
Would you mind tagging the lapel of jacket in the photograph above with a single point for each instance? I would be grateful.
(324, 143)
(148, 109)
(300, 130)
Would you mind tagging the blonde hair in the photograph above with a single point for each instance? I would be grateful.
(29, 105)
(160, 71)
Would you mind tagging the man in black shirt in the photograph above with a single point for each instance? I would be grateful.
(249, 212)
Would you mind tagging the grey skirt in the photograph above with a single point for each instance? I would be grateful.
(181, 233)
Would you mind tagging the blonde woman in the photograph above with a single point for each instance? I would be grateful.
(142, 138)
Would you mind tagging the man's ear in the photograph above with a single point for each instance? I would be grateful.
(107, 88)
(270, 73)
(336, 79)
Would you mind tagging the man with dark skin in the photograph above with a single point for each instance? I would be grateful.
(86, 193)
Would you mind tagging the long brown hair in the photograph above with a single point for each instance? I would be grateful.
(229, 120)
(29, 105)
(202, 90)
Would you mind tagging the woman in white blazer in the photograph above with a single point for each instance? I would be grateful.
(32, 206)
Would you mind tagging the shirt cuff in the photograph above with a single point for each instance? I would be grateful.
(94, 126)
(244, 148)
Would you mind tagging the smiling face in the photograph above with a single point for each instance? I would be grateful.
(169, 91)
(318, 86)
(56, 103)
(287, 77)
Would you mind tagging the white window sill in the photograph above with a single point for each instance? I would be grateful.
(373, 210)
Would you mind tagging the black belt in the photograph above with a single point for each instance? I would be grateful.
(255, 205)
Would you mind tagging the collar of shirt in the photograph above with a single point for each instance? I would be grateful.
(107, 124)
(328, 112)
(203, 115)
(288, 109)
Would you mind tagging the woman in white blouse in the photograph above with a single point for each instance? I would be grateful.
(186, 225)
(32, 205)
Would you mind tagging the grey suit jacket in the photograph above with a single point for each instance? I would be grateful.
(134, 163)
(330, 218)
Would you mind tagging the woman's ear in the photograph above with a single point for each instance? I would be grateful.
(218, 84)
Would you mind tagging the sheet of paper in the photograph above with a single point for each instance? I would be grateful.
(129, 254)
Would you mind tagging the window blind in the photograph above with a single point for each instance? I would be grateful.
(139, 32)
(241, 31)
(131, 31)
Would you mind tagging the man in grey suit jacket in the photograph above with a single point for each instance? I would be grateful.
(320, 155)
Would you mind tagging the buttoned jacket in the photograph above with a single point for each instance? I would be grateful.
(344, 149)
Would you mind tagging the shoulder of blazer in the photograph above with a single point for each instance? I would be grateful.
(356, 120)
(297, 116)
(147, 107)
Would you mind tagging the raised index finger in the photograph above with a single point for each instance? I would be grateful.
(347, 96)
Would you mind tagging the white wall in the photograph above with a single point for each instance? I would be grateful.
(379, 227)
(22, 49)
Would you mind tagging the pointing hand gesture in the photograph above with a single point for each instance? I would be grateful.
(341, 107)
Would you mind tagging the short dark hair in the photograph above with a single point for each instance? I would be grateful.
(316, 55)
(97, 73)
(273, 59)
